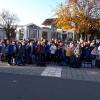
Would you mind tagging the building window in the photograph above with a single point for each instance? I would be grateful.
(21, 34)
(59, 35)
(33, 34)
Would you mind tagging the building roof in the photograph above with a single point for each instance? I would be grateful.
(32, 24)
(49, 21)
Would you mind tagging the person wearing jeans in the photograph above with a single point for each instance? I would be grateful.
(10, 52)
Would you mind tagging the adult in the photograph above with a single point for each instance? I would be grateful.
(98, 58)
(20, 54)
(10, 52)
(94, 54)
(68, 54)
(77, 53)
(53, 49)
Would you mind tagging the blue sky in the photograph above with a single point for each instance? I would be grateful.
(31, 11)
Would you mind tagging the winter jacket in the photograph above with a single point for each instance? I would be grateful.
(10, 49)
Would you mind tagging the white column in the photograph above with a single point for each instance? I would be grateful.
(37, 34)
(40, 34)
(28, 33)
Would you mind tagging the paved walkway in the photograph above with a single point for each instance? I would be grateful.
(81, 74)
(85, 74)
(24, 70)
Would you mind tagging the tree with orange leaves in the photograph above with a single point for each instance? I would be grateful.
(77, 17)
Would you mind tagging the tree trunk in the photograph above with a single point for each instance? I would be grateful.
(8, 35)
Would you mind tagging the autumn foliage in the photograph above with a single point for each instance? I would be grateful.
(73, 16)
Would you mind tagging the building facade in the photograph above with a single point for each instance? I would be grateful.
(38, 33)
(32, 31)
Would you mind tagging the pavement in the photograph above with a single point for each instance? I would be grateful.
(29, 87)
(52, 82)
(62, 72)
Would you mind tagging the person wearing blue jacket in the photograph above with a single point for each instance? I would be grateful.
(87, 53)
(10, 52)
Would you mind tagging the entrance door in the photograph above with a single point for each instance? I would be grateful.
(44, 35)
(64, 37)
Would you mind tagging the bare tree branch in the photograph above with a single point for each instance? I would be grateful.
(8, 22)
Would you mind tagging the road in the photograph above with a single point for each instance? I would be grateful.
(28, 87)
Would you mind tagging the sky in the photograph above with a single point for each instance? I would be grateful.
(31, 11)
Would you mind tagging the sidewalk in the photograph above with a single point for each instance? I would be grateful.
(84, 74)
(24, 70)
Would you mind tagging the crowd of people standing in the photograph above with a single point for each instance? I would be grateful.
(65, 53)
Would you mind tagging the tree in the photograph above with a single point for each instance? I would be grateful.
(64, 18)
(8, 22)
(77, 15)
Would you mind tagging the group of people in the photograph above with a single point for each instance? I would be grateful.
(67, 53)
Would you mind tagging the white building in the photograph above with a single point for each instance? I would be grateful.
(48, 33)
(21, 32)
(32, 31)
(36, 32)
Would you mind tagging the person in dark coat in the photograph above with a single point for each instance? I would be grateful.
(28, 53)
(20, 54)
(47, 52)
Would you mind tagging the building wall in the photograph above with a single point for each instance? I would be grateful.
(34, 32)
(21, 30)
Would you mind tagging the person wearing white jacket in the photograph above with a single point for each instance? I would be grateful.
(53, 49)
(98, 57)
